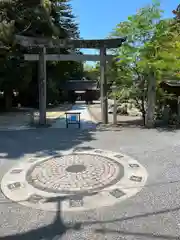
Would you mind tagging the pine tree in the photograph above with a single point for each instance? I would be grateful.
(177, 12)
(33, 18)
(64, 19)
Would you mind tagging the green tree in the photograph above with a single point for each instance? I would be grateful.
(47, 18)
(19, 17)
(145, 57)
(92, 72)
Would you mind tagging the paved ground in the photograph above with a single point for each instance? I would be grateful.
(153, 213)
(86, 119)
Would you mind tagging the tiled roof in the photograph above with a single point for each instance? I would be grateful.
(80, 85)
(172, 83)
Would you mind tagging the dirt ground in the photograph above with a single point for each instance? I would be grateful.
(19, 117)
(124, 121)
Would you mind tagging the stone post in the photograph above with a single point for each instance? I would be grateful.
(115, 111)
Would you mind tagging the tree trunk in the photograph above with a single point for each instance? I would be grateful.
(143, 110)
(151, 101)
(8, 99)
(142, 98)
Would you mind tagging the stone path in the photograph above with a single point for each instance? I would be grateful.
(87, 120)
(32, 160)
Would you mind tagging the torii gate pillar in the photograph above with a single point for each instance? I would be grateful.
(44, 43)
(103, 86)
(42, 86)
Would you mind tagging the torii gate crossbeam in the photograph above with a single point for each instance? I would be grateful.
(43, 43)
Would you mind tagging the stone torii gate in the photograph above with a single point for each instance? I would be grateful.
(42, 57)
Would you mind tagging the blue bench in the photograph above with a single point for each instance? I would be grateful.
(73, 118)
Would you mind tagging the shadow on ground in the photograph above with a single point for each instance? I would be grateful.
(53, 231)
(127, 122)
(137, 124)
(15, 144)
(58, 228)
(48, 141)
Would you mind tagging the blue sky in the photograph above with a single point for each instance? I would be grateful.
(97, 18)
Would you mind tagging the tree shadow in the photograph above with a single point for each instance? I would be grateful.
(135, 124)
(124, 122)
(162, 127)
(58, 228)
(132, 123)
(48, 141)
(52, 231)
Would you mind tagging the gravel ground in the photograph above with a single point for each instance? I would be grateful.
(154, 213)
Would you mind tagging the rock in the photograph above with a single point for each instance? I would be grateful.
(126, 108)
(134, 112)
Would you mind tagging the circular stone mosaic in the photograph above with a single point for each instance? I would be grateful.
(75, 173)
(81, 180)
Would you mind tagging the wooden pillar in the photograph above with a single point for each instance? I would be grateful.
(42, 86)
(103, 86)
